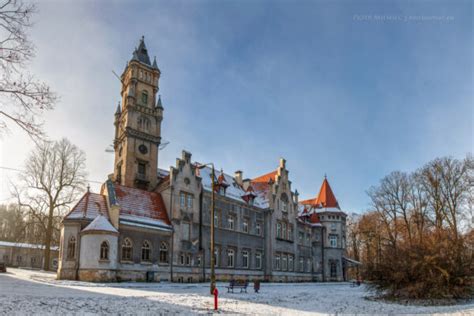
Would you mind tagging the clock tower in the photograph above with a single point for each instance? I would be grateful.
(138, 123)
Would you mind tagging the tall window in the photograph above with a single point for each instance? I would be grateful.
(144, 97)
(143, 123)
(141, 168)
(163, 252)
(278, 230)
(216, 219)
(300, 237)
(186, 200)
(216, 257)
(277, 262)
(127, 249)
(308, 265)
(245, 259)
(258, 229)
(333, 269)
(71, 248)
(230, 258)
(146, 249)
(258, 260)
(290, 263)
(284, 264)
(104, 251)
(230, 222)
(290, 232)
(245, 226)
(333, 241)
(284, 203)
(301, 261)
(283, 231)
(333, 226)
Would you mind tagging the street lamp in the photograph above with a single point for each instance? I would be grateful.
(213, 275)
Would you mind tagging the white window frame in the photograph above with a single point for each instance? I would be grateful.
(230, 222)
(245, 259)
(258, 260)
(230, 258)
(245, 225)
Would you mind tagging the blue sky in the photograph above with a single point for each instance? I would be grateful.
(351, 89)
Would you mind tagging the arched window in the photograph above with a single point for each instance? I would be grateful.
(284, 202)
(163, 252)
(143, 123)
(104, 251)
(71, 248)
(146, 249)
(144, 97)
(127, 249)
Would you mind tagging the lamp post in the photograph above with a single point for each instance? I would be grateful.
(213, 275)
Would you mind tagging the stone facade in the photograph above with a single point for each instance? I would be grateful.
(151, 224)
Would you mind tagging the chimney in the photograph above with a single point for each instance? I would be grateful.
(238, 177)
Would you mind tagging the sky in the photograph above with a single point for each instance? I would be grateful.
(348, 89)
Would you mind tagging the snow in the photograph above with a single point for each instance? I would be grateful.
(24, 245)
(233, 191)
(147, 222)
(37, 292)
(100, 223)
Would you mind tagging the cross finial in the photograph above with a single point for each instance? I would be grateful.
(325, 176)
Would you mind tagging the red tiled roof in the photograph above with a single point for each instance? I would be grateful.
(314, 218)
(141, 203)
(89, 206)
(265, 178)
(325, 197)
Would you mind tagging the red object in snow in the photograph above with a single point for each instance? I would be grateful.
(216, 294)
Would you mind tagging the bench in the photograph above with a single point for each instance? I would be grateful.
(239, 284)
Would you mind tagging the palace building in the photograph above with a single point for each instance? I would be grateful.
(151, 224)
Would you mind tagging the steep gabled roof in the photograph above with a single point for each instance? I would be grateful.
(141, 53)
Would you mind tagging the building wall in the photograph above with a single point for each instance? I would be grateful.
(26, 257)
(68, 265)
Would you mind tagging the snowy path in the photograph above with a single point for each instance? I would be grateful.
(35, 292)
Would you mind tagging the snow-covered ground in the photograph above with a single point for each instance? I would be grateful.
(37, 292)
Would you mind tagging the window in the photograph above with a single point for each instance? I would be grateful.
(163, 252)
(333, 241)
(141, 168)
(290, 263)
(198, 260)
(71, 248)
(284, 232)
(216, 256)
(333, 269)
(277, 262)
(182, 199)
(258, 260)
(188, 259)
(185, 230)
(290, 232)
(245, 226)
(284, 203)
(181, 259)
(127, 249)
(146, 249)
(258, 229)
(104, 251)
(301, 264)
(216, 219)
(144, 97)
(307, 238)
(189, 201)
(284, 262)
(18, 260)
(300, 237)
(143, 123)
(278, 230)
(333, 226)
(186, 200)
(33, 261)
(245, 259)
(230, 258)
(308, 265)
(230, 222)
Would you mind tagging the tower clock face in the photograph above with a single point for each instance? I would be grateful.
(143, 149)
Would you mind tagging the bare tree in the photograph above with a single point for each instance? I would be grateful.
(22, 98)
(54, 178)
